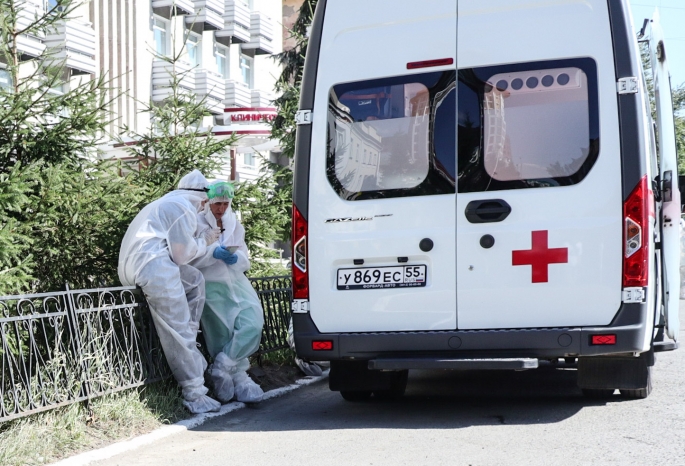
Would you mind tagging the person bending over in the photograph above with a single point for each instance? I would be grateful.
(155, 255)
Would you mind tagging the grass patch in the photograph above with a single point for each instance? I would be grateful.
(284, 357)
(49, 436)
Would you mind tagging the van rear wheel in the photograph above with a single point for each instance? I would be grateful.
(639, 393)
(355, 395)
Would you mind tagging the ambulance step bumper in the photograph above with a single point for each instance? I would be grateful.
(516, 364)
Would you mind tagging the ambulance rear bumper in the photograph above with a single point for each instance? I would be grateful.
(628, 327)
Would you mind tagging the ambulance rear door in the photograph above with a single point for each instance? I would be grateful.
(539, 203)
(381, 220)
(668, 168)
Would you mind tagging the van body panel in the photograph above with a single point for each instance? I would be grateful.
(389, 228)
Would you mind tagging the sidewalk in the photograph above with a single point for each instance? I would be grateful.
(195, 421)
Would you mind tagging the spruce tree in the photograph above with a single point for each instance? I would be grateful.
(61, 209)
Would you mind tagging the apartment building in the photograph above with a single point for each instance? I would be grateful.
(225, 48)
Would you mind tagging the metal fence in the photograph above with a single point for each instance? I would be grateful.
(65, 347)
(275, 294)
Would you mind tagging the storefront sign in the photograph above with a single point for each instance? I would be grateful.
(250, 115)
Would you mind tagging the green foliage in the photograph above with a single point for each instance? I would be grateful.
(61, 209)
(15, 261)
(678, 95)
(265, 210)
(78, 218)
(289, 82)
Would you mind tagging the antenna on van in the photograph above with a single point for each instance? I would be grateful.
(641, 34)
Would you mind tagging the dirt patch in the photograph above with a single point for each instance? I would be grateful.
(270, 375)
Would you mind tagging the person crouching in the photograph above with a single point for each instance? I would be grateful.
(233, 317)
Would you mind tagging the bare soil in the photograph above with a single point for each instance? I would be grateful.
(271, 375)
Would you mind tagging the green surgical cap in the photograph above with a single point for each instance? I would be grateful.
(220, 192)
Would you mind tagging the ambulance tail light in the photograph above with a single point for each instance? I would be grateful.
(608, 339)
(636, 211)
(322, 345)
(299, 239)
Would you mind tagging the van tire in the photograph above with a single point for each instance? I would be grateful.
(598, 393)
(640, 393)
(355, 395)
(396, 391)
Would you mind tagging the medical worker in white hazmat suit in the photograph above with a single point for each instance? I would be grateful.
(233, 317)
(155, 255)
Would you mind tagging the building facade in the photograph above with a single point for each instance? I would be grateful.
(223, 46)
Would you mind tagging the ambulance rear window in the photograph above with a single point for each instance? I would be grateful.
(527, 125)
(393, 137)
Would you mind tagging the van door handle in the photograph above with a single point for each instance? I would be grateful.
(487, 211)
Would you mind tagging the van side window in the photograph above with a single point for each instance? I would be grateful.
(392, 137)
(527, 125)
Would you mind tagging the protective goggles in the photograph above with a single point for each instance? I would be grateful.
(223, 190)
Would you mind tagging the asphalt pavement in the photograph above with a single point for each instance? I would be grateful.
(458, 418)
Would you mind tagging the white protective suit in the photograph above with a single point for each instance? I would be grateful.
(155, 255)
(233, 317)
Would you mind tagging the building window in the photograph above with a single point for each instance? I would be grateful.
(249, 3)
(160, 30)
(249, 159)
(221, 57)
(5, 80)
(50, 4)
(246, 64)
(194, 50)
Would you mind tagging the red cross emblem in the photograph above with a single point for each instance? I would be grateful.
(540, 256)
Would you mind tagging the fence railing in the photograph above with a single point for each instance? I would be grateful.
(275, 294)
(69, 346)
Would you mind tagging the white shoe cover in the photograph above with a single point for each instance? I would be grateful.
(203, 404)
(309, 368)
(246, 390)
(220, 374)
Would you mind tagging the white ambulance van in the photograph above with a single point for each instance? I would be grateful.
(477, 186)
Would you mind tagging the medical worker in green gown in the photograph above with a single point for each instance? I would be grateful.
(233, 317)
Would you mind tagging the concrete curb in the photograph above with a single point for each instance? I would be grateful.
(181, 426)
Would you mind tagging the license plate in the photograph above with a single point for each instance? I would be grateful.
(369, 278)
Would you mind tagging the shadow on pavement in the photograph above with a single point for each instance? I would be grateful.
(434, 400)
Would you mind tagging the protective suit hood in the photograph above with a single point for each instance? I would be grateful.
(193, 187)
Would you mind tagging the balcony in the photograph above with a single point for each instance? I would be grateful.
(208, 15)
(212, 87)
(29, 45)
(261, 99)
(73, 42)
(261, 35)
(236, 23)
(237, 95)
(168, 8)
(162, 78)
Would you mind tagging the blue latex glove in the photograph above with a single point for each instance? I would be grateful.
(225, 255)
